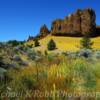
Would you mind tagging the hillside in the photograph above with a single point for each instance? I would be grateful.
(64, 43)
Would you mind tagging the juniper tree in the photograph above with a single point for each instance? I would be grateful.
(51, 45)
(86, 42)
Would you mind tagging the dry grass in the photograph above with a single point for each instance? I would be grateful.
(65, 43)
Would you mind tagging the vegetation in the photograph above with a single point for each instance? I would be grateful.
(61, 73)
(25, 71)
(36, 43)
(65, 43)
(86, 42)
(15, 42)
(51, 45)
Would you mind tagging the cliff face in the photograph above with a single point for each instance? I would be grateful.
(88, 24)
(77, 24)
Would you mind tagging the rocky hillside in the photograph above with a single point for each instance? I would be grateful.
(77, 24)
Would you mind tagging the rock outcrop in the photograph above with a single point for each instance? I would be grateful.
(77, 24)
(44, 31)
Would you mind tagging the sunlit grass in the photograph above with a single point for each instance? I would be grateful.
(65, 43)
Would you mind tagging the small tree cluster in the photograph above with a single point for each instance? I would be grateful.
(15, 42)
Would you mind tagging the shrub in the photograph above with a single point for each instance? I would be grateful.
(97, 54)
(24, 63)
(51, 45)
(85, 53)
(71, 54)
(36, 43)
(85, 73)
(28, 82)
(17, 58)
(1, 62)
(12, 65)
(19, 47)
(31, 54)
(30, 46)
(45, 52)
(2, 73)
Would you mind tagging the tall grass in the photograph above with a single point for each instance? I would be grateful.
(69, 75)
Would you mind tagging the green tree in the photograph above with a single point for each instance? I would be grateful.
(15, 42)
(51, 45)
(2, 62)
(86, 42)
(36, 43)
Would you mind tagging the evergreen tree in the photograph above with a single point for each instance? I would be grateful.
(86, 42)
(51, 45)
(36, 43)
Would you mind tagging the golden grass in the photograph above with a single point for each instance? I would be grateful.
(65, 43)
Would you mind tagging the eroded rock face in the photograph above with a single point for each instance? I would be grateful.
(44, 31)
(77, 24)
(88, 25)
(57, 26)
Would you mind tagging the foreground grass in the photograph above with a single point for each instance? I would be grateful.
(52, 75)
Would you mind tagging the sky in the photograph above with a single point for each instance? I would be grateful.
(21, 18)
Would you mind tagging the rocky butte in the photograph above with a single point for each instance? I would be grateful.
(77, 24)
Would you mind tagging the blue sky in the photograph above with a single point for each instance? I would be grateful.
(21, 18)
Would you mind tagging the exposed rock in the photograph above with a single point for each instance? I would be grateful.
(88, 24)
(44, 31)
(70, 24)
(56, 27)
(77, 24)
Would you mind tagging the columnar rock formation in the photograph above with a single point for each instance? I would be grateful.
(77, 24)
